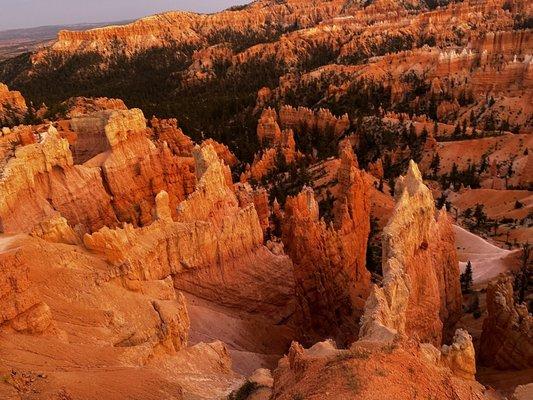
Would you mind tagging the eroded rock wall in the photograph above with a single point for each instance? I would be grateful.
(41, 180)
(213, 249)
(332, 282)
(420, 294)
(507, 338)
(13, 107)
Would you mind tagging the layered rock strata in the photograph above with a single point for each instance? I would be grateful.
(214, 250)
(118, 183)
(300, 120)
(136, 169)
(127, 315)
(193, 29)
(41, 180)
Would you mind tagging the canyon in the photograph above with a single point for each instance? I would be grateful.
(284, 200)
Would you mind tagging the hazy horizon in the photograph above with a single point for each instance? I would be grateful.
(20, 14)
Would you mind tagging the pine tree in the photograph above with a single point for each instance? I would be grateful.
(454, 175)
(523, 276)
(441, 201)
(435, 164)
(457, 131)
(412, 136)
(484, 163)
(472, 118)
(479, 215)
(467, 278)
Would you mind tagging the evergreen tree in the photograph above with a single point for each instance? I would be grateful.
(412, 136)
(523, 276)
(510, 170)
(467, 278)
(374, 250)
(435, 164)
(479, 215)
(467, 213)
(441, 201)
(484, 163)
(472, 119)
(454, 175)
(457, 131)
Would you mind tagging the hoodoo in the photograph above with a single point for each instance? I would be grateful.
(420, 295)
(332, 282)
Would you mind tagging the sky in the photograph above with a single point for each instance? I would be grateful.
(32, 13)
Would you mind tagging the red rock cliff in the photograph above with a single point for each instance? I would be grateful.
(41, 181)
(332, 282)
(212, 248)
(507, 338)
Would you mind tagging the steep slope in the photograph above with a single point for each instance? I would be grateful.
(393, 358)
(488, 261)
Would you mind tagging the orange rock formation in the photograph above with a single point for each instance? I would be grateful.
(190, 28)
(374, 371)
(332, 282)
(134, 318)
(13, 107)
(420, 295)
(41, 180)
(507, 338)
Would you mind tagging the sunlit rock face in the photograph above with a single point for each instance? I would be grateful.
(42, 180)
(420, 295)
(65, 230)
(13, 107)
(118, 184)
(332, 282)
